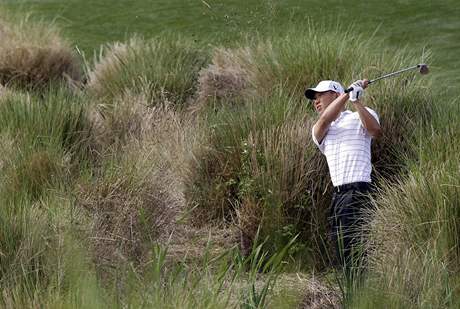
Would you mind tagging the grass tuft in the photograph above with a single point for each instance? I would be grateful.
(164, 69)
(33, 55)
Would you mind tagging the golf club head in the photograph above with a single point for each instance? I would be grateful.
(423, 68)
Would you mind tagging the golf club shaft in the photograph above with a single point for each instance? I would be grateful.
(391, 74)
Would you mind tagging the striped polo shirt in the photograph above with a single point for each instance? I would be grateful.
(347, 147)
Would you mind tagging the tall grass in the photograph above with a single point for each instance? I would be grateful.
(79, 230)
(293, 60)
(415, 229)
(132, 204)
(48, 141)
(260, 167)
(164, 69)
(258, 171)
(33, 54)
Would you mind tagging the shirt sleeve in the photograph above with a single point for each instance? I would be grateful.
(320, 146)
(373, 113)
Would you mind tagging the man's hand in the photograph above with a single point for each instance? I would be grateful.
(356, 93)
(363, 83)
(358, 89)
(368, 121)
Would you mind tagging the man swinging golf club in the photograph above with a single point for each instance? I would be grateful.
(344, 137)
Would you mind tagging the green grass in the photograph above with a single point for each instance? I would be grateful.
(164, 70)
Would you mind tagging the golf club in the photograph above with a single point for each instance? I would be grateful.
(423, 69)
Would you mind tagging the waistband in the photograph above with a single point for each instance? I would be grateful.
(362, 186)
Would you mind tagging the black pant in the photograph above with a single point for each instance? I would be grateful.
(346, 221)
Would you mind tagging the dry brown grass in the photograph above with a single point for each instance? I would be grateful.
(319, 295)
(131, 118)
(225, 78)
(132, 208)
(240, 74)
(125, 118)
(33, 54)
(138, 202)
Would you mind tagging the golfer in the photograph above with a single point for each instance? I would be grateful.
(344, 137)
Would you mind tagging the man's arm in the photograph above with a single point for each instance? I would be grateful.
(369, 122)
(331, 113)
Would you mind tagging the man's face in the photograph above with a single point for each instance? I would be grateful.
(323, 99)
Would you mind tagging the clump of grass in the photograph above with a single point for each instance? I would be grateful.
(33, 54)
(225, 78)
(50, 137)
(165, 69)
(126, 118)
(23, 247)
(405, 106)
(40, 249)
(424, 262)
(133, 204)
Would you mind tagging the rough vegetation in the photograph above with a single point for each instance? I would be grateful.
(34, 54)
(165, 70)
(178, 179)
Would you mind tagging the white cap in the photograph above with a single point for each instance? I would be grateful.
(324, 85)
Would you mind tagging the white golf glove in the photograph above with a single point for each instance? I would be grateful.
(358, 91)
(359, 83)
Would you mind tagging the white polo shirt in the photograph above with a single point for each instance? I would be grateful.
(347, 147)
